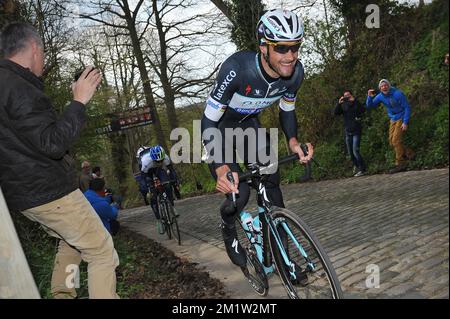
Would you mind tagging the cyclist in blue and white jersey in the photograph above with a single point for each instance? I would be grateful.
(247, 83)
(154, 162)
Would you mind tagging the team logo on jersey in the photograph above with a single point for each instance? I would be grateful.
(258, 92)
(247, 111)
(215, 105)
(248, 89)
(218, 95)
(274, 92)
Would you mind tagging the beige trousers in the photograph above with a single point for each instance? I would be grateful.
(402, 152)
(73, 219)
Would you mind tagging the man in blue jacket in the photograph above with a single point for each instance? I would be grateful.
(96, 196)
(399, 111)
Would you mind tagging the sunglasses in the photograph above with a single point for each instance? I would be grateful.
(284, 48)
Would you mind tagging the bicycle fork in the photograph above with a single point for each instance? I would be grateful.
(265, 254)
(284, 254)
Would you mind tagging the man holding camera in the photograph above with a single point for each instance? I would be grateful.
(399, 111)
(352, 110)
(37, 174)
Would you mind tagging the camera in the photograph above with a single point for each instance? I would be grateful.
(79, 72)
(346, 99)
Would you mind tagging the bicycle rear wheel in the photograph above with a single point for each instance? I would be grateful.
(173, 222)
(317, 278)
(254, 271)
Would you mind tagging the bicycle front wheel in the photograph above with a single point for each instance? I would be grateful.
(165, 219)
(309, 274)
(173, 222)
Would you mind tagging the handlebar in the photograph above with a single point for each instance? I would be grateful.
(169, 182)
(257, 170)
(284, 160)
(249, 174)
(156, 184)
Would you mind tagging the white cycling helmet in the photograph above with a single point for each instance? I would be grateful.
(279, 26)
(140, 150)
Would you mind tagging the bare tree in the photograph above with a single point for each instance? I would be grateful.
(49, 19)
(179, 40)
(119, 15)
(107, 48)
(225, 8)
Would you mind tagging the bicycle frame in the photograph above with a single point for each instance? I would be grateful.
(162, 194)
(162, 198)
(268, 223)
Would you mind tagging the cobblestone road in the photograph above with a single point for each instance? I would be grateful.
(400, 223)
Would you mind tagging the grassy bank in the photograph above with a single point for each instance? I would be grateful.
(147, 270)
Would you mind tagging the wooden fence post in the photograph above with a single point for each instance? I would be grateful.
(16, 280)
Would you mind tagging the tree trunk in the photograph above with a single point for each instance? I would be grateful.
(224, 8)
(148, 92)
(169, 98)
(120, 159)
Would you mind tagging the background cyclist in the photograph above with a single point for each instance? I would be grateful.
(154, 162)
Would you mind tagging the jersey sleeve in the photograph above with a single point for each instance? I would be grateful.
(147, 163)
(224, 88)
(288, 118)
(287, 102)
(226, 85)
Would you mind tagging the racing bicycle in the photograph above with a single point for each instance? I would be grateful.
(278, 240)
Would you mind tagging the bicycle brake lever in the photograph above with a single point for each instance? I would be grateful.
(231, 179)
(304, 149)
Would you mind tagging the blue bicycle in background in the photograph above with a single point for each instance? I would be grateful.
(276, 239)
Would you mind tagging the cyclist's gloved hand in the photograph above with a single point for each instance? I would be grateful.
(223, 185)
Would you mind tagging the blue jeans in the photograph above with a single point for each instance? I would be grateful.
(352, 142)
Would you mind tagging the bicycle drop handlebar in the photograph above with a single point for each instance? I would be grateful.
(257, 170)
(287, 159)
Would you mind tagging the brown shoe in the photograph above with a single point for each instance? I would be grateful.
(397, 169)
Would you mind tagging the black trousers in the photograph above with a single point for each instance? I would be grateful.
(273, 190)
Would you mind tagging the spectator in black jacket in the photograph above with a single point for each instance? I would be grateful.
(352, 110)
(37, 174)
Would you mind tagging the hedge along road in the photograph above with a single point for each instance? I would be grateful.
(392, 225)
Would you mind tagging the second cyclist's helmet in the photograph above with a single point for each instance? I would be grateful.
(141, 150)
(157, 153)
(279, 26)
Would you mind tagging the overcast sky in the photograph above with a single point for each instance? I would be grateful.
(222, 46)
